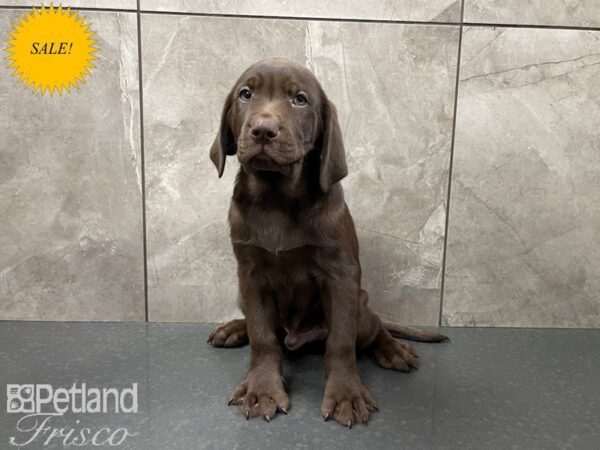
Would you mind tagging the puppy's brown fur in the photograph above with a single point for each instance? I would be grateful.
(296, 246)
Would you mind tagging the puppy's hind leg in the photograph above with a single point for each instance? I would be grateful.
(372, 335)
(230, 334)
(378, 337)
(392, 354)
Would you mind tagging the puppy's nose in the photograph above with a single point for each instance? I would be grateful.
(265, 131)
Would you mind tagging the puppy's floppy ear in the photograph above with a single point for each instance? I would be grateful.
(333, 156)
(224, 144)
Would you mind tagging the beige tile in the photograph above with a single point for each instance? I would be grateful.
(572, 13)
(109, 4)
(70, 189)
(523, 242)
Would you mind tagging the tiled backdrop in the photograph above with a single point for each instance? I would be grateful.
(490, 216)
(71, 240)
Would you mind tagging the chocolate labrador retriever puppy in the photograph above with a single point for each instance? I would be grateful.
(296, 246)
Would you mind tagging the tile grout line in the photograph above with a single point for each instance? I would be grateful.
(142, 158)
(300, 18)
(450, 167)
(461, 23)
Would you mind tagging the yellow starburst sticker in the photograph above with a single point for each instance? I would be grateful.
(51, 49)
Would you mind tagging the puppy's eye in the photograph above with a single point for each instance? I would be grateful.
(300, 99)
(245, 94)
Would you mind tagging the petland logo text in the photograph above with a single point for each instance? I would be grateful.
(42, 402)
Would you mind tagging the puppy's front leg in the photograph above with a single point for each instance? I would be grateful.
(262, 393)
(346, 399)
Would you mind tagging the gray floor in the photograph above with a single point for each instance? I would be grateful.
(486, 389)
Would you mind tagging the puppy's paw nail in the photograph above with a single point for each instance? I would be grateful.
(364, 420)
(230, 402)
(349, 424)
(326, 416)
(283, 410)
(247, 415)
(267, 418)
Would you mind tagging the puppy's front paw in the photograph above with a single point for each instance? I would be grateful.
(347, 400)
(262, 393)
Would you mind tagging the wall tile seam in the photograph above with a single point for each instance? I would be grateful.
(323, 19)
(450, 167)
(142, 159)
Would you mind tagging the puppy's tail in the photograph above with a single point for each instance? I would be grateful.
(412, 334)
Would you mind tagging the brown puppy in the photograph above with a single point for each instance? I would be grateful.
(295, 245)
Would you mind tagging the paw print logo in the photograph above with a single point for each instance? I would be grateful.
(20, 398)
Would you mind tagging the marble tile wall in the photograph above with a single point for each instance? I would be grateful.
(522, 243)
(71, 244)
(101, 4)
(524, 236)
(569, 13)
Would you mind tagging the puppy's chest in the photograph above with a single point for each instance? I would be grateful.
(274, 231)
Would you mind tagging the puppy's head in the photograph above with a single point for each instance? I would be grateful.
(273, 117)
